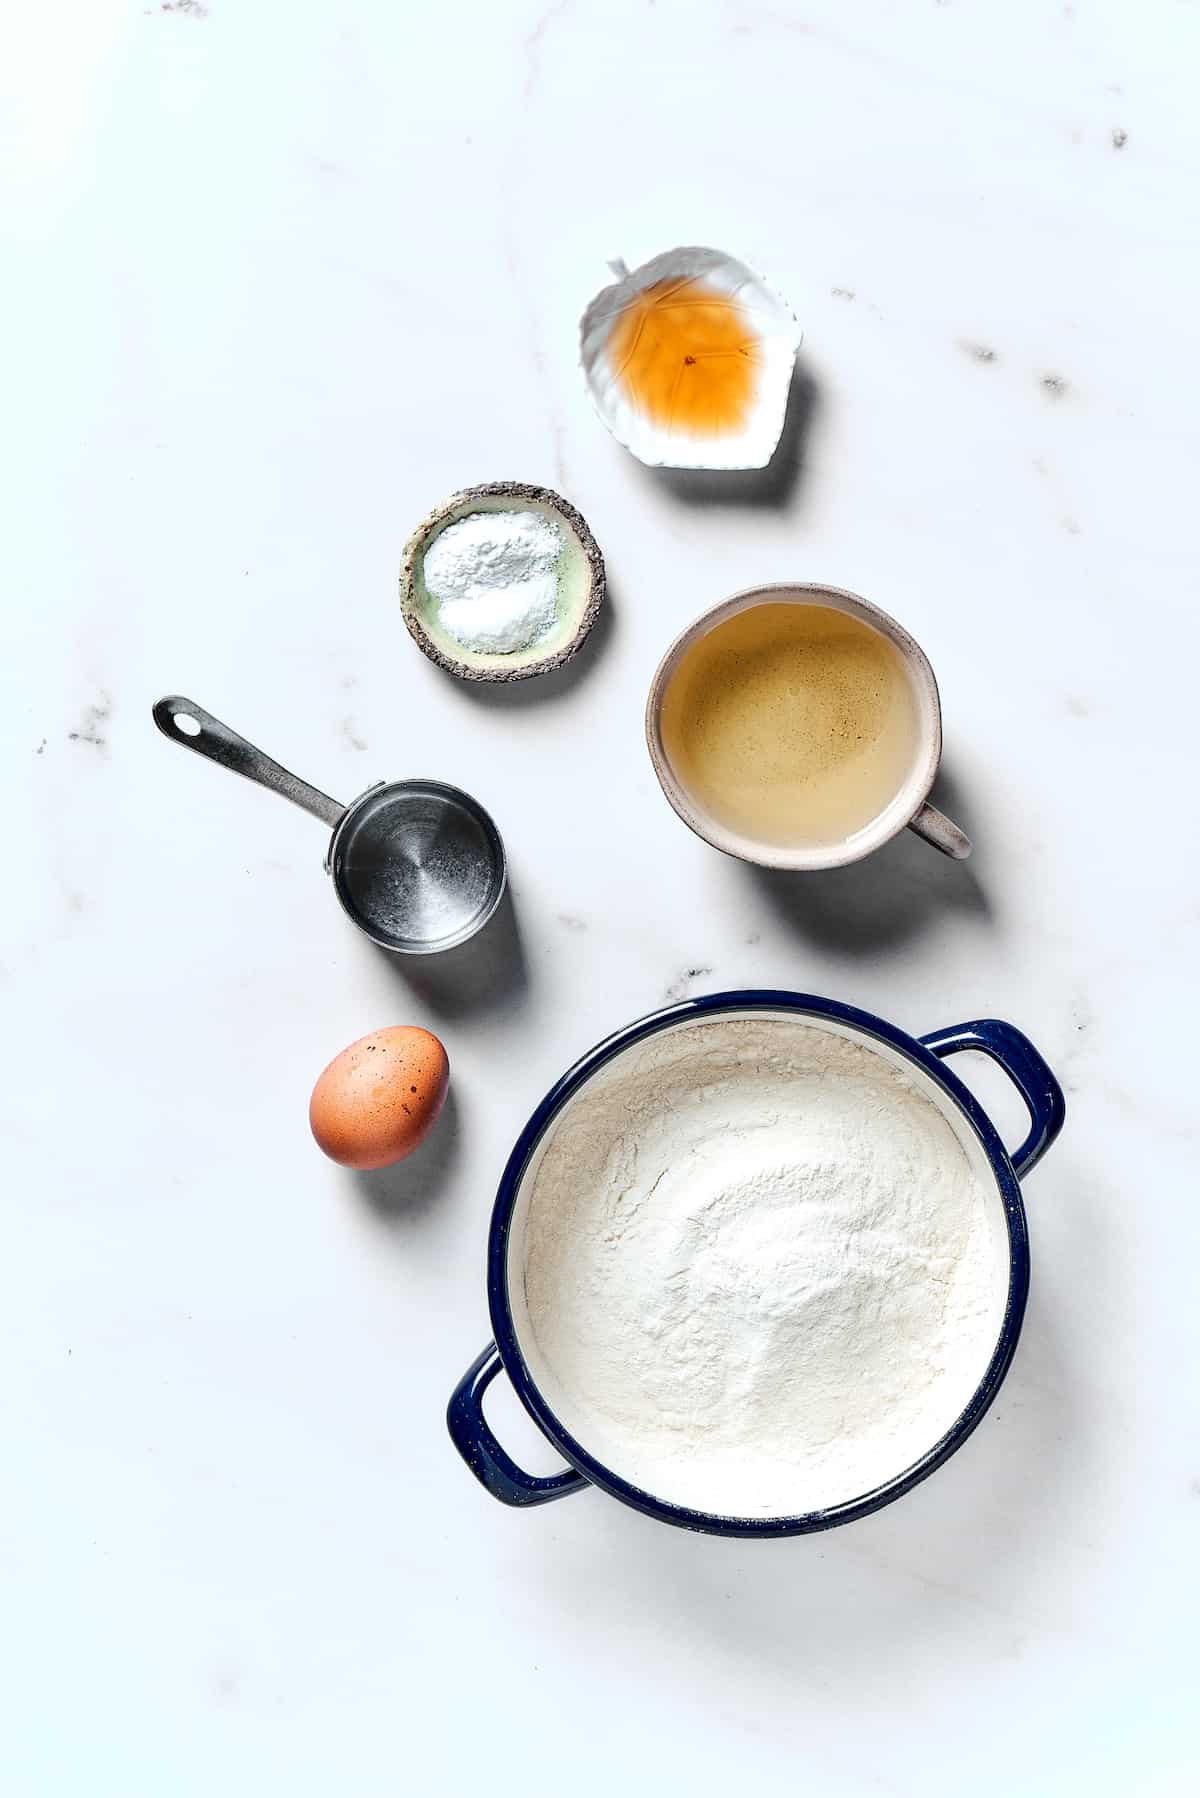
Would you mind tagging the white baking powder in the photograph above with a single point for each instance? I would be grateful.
(762, 1275)
(495, 578)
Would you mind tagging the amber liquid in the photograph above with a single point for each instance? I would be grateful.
(687, 357)
(792, 725)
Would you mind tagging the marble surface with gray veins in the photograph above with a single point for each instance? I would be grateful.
(285, 276)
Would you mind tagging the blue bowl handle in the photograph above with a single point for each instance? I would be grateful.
(491, 1465)
(1024, 1067)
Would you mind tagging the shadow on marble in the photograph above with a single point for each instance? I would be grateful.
(413, 1186)
(888, 898)
(540, 688)
(772, 487)
(486, 973)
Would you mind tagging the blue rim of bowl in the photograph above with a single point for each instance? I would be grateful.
(711, 1522)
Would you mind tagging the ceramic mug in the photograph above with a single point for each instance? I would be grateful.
(909, 806)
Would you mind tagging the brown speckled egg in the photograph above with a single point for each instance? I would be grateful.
(379, 1099)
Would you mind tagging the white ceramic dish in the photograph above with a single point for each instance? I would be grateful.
(755, 443)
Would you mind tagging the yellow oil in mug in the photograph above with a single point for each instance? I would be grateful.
(791, 725)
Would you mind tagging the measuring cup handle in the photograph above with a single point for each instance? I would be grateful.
(220, 744)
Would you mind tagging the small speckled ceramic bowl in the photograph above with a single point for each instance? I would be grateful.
(580, 576)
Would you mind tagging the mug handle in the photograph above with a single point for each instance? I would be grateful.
(1014, 1052)
(492, 1466)
(936, 828)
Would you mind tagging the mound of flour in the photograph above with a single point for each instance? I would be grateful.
(495, 578)
(761, 1275)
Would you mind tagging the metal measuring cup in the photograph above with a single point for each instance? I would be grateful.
(417, 865)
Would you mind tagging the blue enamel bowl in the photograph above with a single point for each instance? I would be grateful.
(470, 1431)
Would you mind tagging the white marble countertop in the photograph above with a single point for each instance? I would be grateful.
(287, 274)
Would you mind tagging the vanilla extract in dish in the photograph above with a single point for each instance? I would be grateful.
(688, 356)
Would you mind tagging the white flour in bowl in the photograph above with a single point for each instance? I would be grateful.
(762, 1275)
(495, 578)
